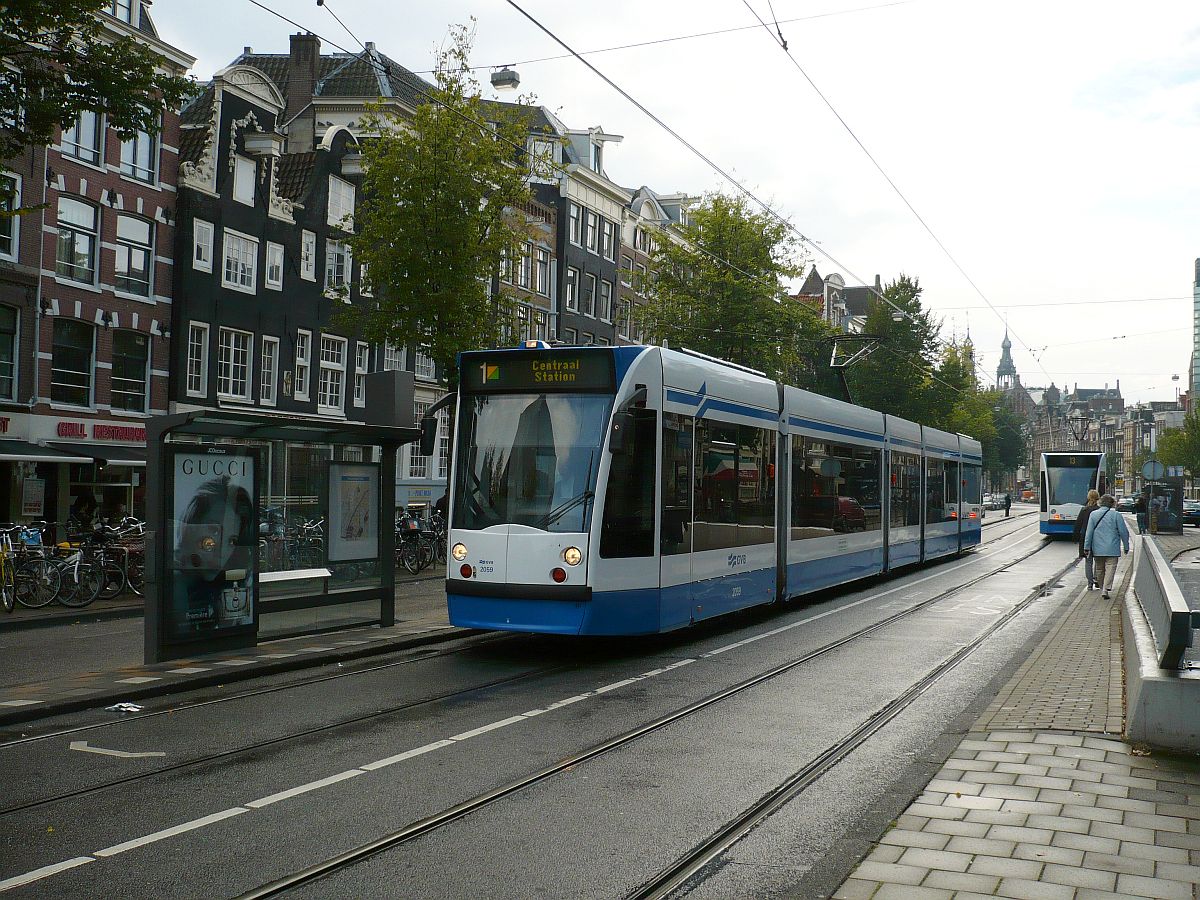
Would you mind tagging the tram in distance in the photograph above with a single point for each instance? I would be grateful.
(635, 490)
(1065, 482)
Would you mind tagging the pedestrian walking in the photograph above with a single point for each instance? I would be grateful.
(1139, 508)
(1007, 504)
(1093, 501)
(1106, 535)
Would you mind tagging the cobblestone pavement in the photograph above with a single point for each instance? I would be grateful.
(1042, 799)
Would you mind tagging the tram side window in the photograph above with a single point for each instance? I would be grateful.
(952, 477)
(756, 486)
(935, 492)
(715, 486)
(628, 526)
(676, 484)
(970, 484)
(835, 488)
(904, 477)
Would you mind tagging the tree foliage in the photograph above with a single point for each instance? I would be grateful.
(57, 60)
(441, 200)
(721, 291)
(1181, 446)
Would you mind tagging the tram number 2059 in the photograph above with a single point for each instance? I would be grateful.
(485, 567)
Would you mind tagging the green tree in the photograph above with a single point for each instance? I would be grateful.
(720, 290)
(1181, 446)
(437, 214)
(57, 60)
(897, 377)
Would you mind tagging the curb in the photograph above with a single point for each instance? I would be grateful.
(79, 617)
(274, 667)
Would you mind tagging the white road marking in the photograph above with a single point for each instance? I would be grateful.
(233, 662)
(138, 679)
(189, 670)
(83, 747)
(277, 655)
(304, 788)
(205, 821)
(43, 872)
(171, 832)
(19, 702)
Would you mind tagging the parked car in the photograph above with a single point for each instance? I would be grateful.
(1126, 504)
(987, 501)
(1191, 512)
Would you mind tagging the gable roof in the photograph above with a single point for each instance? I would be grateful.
(294, 174)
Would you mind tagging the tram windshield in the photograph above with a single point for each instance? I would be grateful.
(528, 459)
(1069, 478)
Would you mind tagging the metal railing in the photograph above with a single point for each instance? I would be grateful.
(1166, 610)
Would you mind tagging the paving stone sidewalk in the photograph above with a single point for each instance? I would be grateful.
(1043, 799)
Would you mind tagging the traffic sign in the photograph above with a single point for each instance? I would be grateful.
(1152, 470)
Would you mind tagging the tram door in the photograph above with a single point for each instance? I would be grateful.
(675, 518)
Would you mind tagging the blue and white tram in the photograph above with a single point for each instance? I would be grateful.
(633, 490)
(1066, 480)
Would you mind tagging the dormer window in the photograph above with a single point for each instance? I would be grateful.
(244, 171)
(123, 10)
(597, 156)
(341, 203)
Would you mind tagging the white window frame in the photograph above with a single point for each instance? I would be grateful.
(14, 222)
(303, 364)
(276, 251)
(197, 359)
(332, 366)
(202, 245)
(248, 365)
(575, 232)
(362, 362)
(268, 376)
(130, 168)
(591, 231)
(88, 154)
(393, 358)
(443, 445)
(626, 272)
(571, 301)
(245, 173)
(541, 271)
(418, 465)
(16, 355)
(364, 282)
(590, 296)
(604, 305)
(423, 365)
(308, 255)
(341, 203)
(332, 288)
(237, 285)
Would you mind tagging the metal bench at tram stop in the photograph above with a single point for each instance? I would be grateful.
(1162, 683)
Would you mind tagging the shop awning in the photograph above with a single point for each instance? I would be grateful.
(111, 456)
(22, 451)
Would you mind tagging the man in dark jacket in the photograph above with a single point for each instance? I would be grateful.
(1139, 508)
(1007, 504)
(1081, 521)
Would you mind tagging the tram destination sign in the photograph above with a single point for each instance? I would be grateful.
(539, 371)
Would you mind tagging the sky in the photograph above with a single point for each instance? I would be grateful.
(1051, 146)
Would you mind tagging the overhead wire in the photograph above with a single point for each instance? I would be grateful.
(899, 193)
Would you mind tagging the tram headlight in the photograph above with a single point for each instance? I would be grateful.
(572, 556)
(459, 552)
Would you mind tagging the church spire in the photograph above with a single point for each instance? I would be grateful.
(1006, 372)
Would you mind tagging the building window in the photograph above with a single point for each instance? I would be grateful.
(576, 220)
(593, 231)
(268, 374)
(505, 274)
(572, 288)
(71, 359)
(8, 352)
(333, 372)
(602, 341)
(202, 245)
(308, 256)
(135, 255)
(241, 262)
(627, 270)
(443, 468)
(244, 172)
(640, 284)
(568, 336)
(418, 466)
(541, 325)
(197, 360)
(233, 364)
(423, 365)
(589, 295)
(542, 272)
(362, 359)
(130, 359)
(341, 203)
(365, 288)
(274, 275)
(121, 9)
(588, 339)
(78, 230)
(10, 199)
(139, 157)
(393, 358)
(525, 271)
(82, 139)
(303, 363)
(606, 289)
(337, 268)
(614, 238)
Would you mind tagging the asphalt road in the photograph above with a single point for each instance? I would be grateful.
(251, 786)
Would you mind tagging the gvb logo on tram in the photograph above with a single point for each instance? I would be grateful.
(636, 490)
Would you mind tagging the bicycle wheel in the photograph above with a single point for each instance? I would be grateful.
(114, 578)
(410, 557)
(439, 545)
(82, 583)
(8, 595)
(136, 573)
(36, 582)
(428, 553)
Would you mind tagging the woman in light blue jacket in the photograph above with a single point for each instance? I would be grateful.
(1106, 534)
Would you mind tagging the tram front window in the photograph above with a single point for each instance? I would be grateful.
(1070, 483)
(529, 459)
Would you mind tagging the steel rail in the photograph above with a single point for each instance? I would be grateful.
(429, 824)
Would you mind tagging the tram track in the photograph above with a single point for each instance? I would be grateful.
(729, 833)
(328, 727)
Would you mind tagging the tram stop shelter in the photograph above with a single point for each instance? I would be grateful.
(262, 525)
